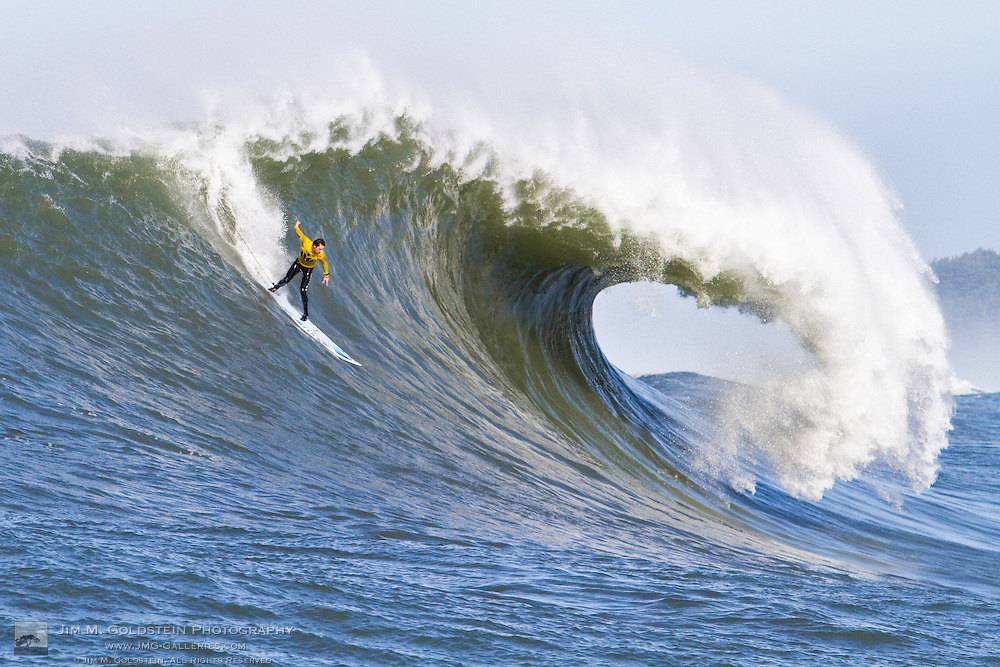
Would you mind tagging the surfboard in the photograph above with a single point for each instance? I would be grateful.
(312, 330)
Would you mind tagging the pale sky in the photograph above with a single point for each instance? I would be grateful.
(914, 84)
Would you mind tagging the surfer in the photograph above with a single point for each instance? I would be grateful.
(309, 253)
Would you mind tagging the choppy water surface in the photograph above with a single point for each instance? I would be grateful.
(190, 479)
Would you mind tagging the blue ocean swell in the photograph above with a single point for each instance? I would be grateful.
(178, 454)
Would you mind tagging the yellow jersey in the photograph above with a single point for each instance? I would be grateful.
(307, 257)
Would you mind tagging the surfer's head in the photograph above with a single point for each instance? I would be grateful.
(318, 245)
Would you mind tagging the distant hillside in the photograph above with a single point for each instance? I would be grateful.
(969, 292)
(969, 289)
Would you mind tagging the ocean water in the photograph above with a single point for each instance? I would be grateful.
(189, 479)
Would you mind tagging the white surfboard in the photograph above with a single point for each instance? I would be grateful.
(312, 330)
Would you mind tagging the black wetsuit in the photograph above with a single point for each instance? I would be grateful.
(307, 272)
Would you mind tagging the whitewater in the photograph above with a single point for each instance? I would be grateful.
(488, 488)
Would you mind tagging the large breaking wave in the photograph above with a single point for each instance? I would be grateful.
(468, 249)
